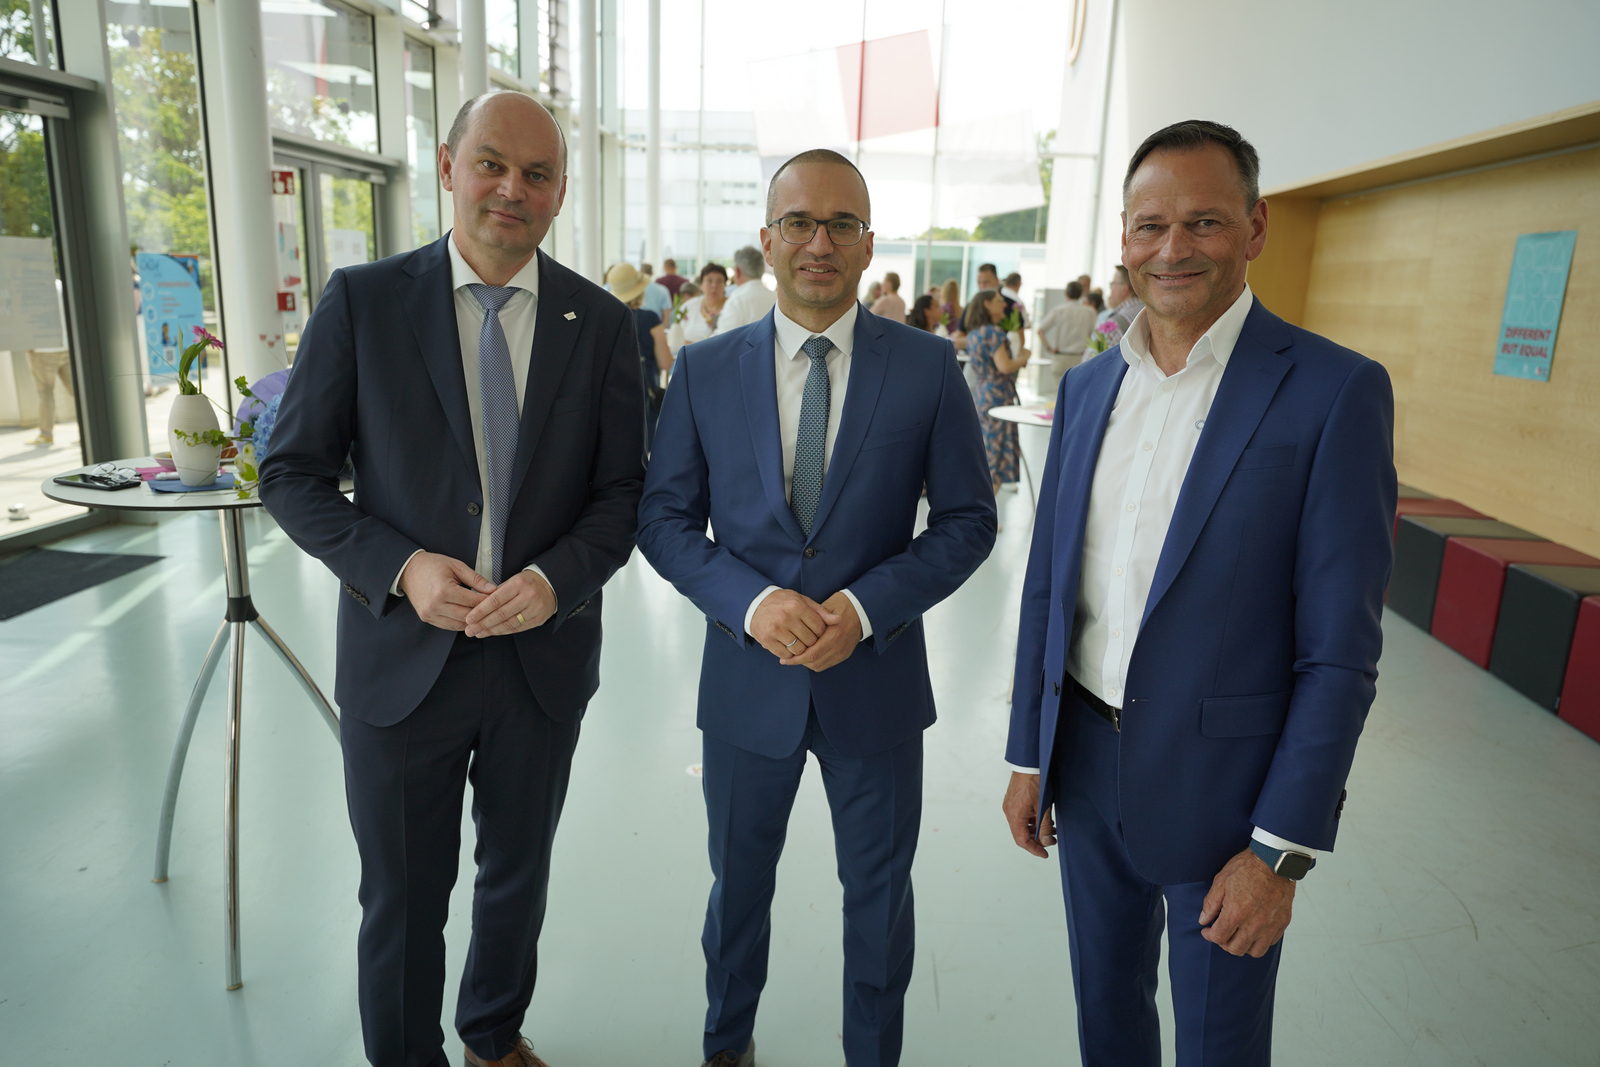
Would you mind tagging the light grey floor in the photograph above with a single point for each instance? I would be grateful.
(1458, 923)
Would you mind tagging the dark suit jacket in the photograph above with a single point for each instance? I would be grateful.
(908, 419)
(1257, 657)
(378, 377)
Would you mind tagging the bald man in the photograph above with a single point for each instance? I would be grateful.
(492, 405)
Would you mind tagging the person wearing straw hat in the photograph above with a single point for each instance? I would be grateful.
(655, 358)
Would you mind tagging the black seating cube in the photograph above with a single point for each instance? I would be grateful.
(1419, 555)
(1408, 493)
(1534, 635)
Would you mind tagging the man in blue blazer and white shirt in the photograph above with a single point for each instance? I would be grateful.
(804, 440)
(491, 403)
(1200, 619)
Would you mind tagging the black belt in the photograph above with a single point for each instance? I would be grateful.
(1099, 707)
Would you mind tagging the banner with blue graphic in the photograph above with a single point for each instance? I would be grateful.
(1534, 296)
(170, 306)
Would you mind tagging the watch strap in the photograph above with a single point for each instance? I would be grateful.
(1273, 858)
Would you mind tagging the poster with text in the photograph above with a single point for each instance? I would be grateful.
(1533, 304)
(171, 307)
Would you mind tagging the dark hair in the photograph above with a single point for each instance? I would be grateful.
(1074, 291)
(1014, 280)
(988, 267)
(977, 314)
(814, 155)
(1197, 133)
(711, 268)
(458, 128)
(1097, 300)
(918, 315)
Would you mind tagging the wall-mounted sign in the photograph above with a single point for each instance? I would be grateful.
(1534, 294)
(171, 307)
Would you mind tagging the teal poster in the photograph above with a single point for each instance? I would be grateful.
(170, 307)
(1533, 304)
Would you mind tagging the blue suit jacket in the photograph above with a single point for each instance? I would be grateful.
(378, 377)
(908, 420)
(1257, 655)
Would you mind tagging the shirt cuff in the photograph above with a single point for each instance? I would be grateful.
(394, 586)
(535, 568)
(1282, 844)
(1023, 770)
(861, 613)
(750, 612)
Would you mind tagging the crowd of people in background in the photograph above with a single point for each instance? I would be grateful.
(990, 330)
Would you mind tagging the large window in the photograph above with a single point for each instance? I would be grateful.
(20, 36)
(320, 71)
(422, 143)
(501, 16)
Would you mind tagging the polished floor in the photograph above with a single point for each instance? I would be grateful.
(1458, 922)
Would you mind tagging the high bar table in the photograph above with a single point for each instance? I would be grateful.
(240, 613)
(1024, 416)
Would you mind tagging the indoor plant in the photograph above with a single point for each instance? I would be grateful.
(192, 431)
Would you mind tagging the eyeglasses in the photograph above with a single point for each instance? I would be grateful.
(799, 230)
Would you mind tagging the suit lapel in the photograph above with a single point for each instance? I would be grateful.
(1248, 385)
(760, 384)
(555, 336)
(869, 362)
(432, 311)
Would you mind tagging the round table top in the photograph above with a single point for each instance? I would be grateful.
(144, 498)
(1022, 416)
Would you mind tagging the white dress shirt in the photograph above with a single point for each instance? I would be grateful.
(517, 317)
(746, 304)
(792, 366)
(1149, 441)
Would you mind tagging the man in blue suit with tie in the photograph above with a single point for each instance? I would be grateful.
(1200, 619)
(491, 404)
(804, 440)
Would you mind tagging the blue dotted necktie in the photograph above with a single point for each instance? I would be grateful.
(497, 394)
(811, 443)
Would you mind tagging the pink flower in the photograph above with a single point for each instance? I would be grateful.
(1107, 327)
(201, 334)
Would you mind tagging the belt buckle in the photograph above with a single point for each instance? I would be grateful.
(1116, 718)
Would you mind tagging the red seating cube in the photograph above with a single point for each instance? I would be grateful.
(1432, 506)
(1473, 578)
(1580, 696)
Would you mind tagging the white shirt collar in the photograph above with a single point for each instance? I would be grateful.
(792, 336)
(461, 273)
(1218, 340)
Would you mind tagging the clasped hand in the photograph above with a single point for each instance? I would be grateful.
(447, 593)
(803, 633)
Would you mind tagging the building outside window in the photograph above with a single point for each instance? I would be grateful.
(501, 17)
(422, 142)
(320, 65)
(18, 37)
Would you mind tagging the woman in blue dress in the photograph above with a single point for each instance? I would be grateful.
(995, 368)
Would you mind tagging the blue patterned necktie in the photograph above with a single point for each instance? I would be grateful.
(497, 396)
(811, 443)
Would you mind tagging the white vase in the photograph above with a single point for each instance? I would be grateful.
(197, 464)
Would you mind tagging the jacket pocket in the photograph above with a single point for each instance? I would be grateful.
(1253, 716)
(892, 437)
(1259, 458)
(573, 402)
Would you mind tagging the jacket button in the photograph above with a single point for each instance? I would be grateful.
(811, 553)
(473, 509)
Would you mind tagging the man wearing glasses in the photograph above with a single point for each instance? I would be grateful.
(805, 440)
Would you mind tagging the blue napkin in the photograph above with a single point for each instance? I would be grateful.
(224, 481)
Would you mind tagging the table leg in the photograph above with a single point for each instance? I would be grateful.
(240, 613)
(301, 675)
(180, 750)
(1033, 491)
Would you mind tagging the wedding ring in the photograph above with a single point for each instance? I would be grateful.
(520, 620)
(791, 644)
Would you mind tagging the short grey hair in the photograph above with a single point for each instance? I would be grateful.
(750, 260)
(458, 128)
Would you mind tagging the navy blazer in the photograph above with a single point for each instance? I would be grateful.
(378, 377)
(1257, 656)
(907, 420)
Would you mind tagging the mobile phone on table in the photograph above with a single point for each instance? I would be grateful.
(108, 482)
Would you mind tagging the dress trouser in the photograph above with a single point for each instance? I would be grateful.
(404, 785)
(877, 810)
(1222, 1004)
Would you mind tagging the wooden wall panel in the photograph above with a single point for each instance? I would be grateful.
(1415, 277)
(1279, 276)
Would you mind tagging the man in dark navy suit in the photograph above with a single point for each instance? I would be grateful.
(805, 440)
(1200, 619)
(490, 402)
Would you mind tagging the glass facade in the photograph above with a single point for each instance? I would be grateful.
(20, 39)
(422, 143)
(502, 26)
(320, 71)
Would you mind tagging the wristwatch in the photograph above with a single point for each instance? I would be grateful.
(1290, 865)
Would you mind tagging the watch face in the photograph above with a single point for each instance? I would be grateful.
(1293, 865)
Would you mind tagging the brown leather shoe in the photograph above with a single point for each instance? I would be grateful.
(520, 1056)
(729, 1058)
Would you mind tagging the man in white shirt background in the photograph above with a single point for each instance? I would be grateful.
(1064, 333)
(1200, 623)
(750, 299)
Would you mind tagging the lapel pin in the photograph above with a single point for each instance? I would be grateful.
(571, 315)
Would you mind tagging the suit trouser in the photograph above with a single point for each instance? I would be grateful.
(404, 785)
(877, 810)
(1222, 1004)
